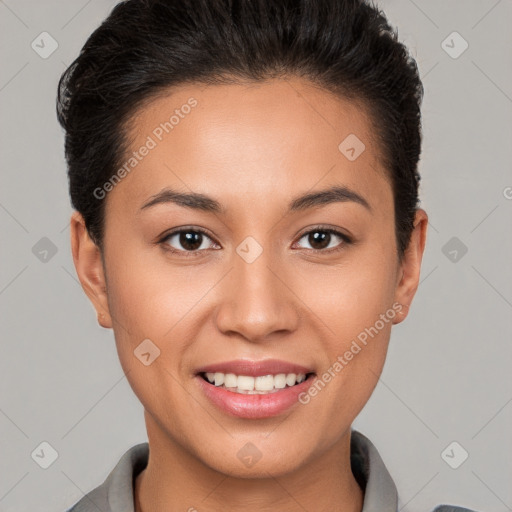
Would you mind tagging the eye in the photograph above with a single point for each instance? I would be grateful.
(320, 239)
(187, 240)
(192, 241)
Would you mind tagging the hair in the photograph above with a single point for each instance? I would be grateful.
(145, 47)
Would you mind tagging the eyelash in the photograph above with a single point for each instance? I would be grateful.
(163, 241)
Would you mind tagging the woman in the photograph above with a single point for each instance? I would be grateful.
(244, 175)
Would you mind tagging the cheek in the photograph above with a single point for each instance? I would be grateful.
(352, 304)
(150, 299)
(149, 296)
(350, 296)
(149, 307)
(356, 353)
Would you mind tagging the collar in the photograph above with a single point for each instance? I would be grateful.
(115, 494)
(380, 493)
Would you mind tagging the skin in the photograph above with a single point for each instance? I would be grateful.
(253, 148)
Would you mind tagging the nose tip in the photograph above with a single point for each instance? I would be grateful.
(255, 303)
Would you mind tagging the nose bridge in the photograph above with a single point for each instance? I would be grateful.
(255, 301)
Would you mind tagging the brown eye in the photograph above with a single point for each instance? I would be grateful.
(187, 240)
(190, 240)
(321, 239)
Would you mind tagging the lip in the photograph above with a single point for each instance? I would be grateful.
(254, 406)
(255, 368)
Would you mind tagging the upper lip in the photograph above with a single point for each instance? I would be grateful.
(255, 368)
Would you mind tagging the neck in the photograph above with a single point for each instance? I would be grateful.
(174, 480)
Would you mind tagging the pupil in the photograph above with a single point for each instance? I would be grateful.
(190, 240)
(318, 237)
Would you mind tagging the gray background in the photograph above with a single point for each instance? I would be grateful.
(448, 373)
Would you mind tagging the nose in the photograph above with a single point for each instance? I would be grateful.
(257, 300)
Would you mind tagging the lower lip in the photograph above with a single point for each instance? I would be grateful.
(254, 406)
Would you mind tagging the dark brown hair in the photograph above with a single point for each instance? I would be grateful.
(147, 46)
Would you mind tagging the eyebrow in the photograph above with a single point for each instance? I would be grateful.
(202, 202)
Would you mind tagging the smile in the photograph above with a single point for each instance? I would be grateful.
(254, 389)
(246, 384)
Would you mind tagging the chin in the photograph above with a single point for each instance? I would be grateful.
(251, 458)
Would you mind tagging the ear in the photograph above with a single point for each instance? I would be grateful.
(409, 270)
(89, 268)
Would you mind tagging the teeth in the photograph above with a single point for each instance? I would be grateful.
(230, 380)
(280, 381)
(291, 379)
(245, 383)
(254, 385)
(265, 383)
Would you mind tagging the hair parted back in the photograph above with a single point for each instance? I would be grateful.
(145, 47)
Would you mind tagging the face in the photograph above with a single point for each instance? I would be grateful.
(249, 280)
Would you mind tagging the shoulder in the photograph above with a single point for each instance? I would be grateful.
(94, 500)
(116, 491)
(452, 508)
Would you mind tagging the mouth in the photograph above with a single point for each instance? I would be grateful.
(254, 389)
(260, 385)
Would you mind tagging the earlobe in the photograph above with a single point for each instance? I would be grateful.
(411, 266)
(89, 268)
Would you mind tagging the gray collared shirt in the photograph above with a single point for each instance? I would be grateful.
(116, 494)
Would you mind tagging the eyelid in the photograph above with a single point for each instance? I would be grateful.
(324, 227)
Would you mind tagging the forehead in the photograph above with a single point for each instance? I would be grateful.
(241, 142)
